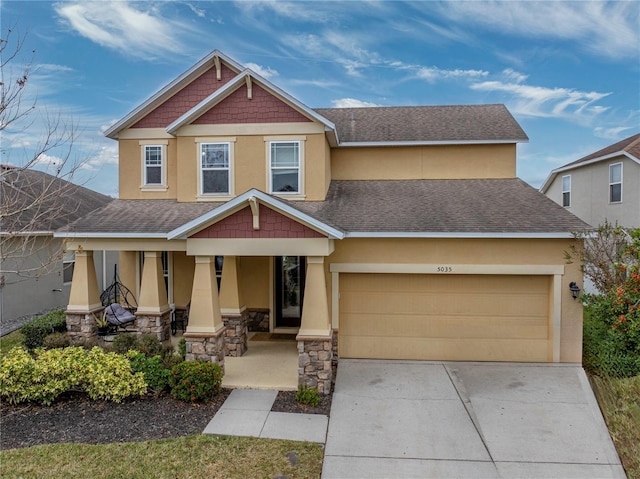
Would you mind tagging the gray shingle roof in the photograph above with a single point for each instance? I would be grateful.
(36, 201)
(420, 206)
(441, 206)
(139, 216)
(629, 145)
(425, 123)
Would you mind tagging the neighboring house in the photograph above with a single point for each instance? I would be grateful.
(35, 269)
(402, 232)
(602, 185)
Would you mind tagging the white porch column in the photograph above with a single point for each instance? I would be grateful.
(315, 313)
(204, 315)
(153, 293)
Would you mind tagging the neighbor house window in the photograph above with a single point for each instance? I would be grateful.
(68, 263)
(284, 166)
(615, 183)
(153, 165)
(215, 172)
(566, 190)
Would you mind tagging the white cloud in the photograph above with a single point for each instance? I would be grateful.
(546, 102)
(609, 29)
(198, 11)
(513, 75)
(351, 103)
(120, 26)
(264, 72)
(433, 74)
(611, 133)
(107, 155)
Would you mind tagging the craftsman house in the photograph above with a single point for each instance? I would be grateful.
(403, 232)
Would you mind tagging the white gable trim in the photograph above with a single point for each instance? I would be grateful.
(171, 89)
(243, 200)
(236, 83)
(552, 176)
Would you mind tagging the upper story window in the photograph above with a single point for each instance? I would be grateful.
(284, 167)
(154, 165)
(215, 169)
(566, 191)
(615, 183)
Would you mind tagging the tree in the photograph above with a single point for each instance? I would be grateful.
(32, 203)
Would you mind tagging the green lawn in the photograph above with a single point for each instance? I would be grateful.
(9, 341)
(200, 456)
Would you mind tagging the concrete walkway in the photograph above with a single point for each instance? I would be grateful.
(483, 420)
(247, 412)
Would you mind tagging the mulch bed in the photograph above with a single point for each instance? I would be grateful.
(77, 419)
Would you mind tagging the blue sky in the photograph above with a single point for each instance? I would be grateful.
(569, 72)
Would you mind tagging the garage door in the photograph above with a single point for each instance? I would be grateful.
(444, 317)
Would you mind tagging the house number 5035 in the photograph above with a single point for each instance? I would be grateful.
(444, 269)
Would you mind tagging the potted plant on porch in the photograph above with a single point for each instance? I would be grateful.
(102, 323)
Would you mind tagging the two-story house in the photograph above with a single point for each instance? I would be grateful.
(401, 231)
(604, 185)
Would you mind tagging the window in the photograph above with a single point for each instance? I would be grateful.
(68, 263)
(153, 165)
(214, 169)
(566, 191)
(285, 166)
(615, 183)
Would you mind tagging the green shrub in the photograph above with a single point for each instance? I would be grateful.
(39, 328)
(56, 340)
(124, 342)
(182, 348)
(307, 395)
(155, 374)
(149, 345)
(195, 381)
(171, 360)
(49, 373)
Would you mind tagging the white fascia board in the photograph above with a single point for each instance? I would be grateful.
(26, 233)
(236, 83)
(184, 230)
(75, 235)
(406, 234)
(157, 98)
(575, 166)
(429, 143)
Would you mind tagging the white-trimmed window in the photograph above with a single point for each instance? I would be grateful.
(215, 168)
(615, 183)
(68, 263)
(284, 167)
(566, 190)
(153, 165)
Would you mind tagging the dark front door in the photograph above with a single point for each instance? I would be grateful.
(289, 290)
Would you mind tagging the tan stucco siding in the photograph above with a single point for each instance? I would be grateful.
(424, 162)
(130, 170)
(255, 281)
(183, 269)
(488, 252)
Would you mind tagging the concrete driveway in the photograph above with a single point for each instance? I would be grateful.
(405, 419)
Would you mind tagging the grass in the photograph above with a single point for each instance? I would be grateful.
(9, 341)
(187, 457)
(619, 401)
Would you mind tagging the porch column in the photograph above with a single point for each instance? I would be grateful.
(153, 314)
(205, 331)
(127, 271)
(233, 308)
(84, 299)
(315, 335)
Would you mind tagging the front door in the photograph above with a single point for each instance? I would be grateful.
(289, 290)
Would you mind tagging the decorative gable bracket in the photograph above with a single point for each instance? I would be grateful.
(255, 211)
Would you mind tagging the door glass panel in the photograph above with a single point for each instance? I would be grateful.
(290, 276)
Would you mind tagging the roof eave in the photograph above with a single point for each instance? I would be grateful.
(458, 234)
(428, 143)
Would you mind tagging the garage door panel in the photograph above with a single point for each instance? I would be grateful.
(444, 327)
(423, 316)
(446, 349)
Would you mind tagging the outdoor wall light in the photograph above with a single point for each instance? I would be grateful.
(575, 289)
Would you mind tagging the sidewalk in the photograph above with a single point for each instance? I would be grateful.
(247, 412)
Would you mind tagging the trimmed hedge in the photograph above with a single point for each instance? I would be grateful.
(39, 328)
(195, 381)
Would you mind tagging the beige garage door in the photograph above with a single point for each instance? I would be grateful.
(444, 317)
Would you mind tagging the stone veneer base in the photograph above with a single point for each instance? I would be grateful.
(236, 335)
(81, 326)
(314, 363)
(206, 347)
(158, 325)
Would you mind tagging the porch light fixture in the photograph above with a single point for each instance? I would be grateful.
(575, 289)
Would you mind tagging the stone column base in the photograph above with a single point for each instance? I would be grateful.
(157, 324)
(81, 325)
(206, 347)
(236, 336)
(258, 320)
(314, 363)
